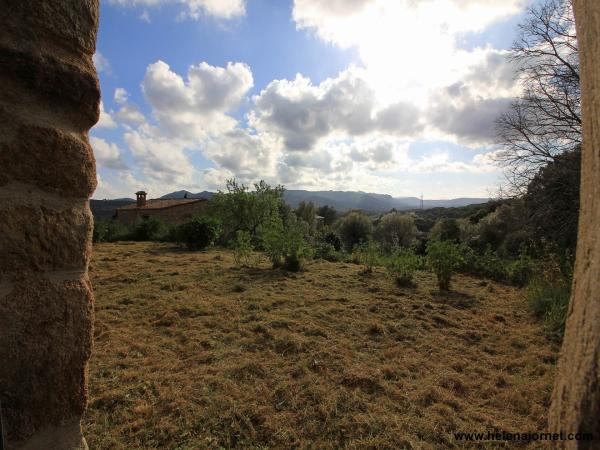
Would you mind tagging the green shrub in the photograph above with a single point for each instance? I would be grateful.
(327, 251)
(516, 243)
(149, 229)
(355, 228)
(285, 246)
(242, 249)
(419, 245)
(445, 229)
(520, 271)
(368, 255)
(491, 266)
(402, 267)
(549, 299)
(110, 231)
(198, 233)
(444, 258)
(332, 238)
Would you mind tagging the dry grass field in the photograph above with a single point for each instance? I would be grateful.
(194, 353)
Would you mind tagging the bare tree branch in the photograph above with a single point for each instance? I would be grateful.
(546, 120)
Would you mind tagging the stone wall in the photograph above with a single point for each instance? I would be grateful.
(49, 98)
(171, 215)
(576, 397)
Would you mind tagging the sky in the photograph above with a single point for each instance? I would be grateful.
(388, 96)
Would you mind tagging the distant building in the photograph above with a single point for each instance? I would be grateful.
(172, 211)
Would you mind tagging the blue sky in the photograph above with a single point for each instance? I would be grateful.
(387, 96)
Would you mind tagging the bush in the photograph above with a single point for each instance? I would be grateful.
(286, 247)
(198, 233)
(402, 267)
(368, 255)
(149, 229)
(326, 251)
(521, 270)
(396, 230)
(445, 230)
(110, 231)
(332, 238)
(242, 249)
(468, 231)
(549, 299)
(444, 258)
(491, 266)
(355, 228)
(496, 226)
(419, 245)
(516, 243)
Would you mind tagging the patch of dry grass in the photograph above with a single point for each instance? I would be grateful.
(193, 353)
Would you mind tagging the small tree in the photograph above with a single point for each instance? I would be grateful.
(307, 212)
(368, 254)
(444, 258)
(242, 209)
(242, 249)
(285, 246)
(355, 228)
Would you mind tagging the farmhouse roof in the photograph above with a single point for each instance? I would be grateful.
(163, 203)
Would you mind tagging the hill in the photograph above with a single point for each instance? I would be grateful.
(105, 209)
(345, 200)
(181, 194)
(340, 200)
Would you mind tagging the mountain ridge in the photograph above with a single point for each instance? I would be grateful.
(340, 200)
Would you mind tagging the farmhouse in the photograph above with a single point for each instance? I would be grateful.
(172, 211)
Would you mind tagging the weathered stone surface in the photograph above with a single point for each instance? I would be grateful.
(46, 340)
(68, 25)
(576, 397)
(55, 80)
(39, 238)
(47, 48)
(49, 98)
(24, 152)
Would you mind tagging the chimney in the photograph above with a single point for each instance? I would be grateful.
(141, 199)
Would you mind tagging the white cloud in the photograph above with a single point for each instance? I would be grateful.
(250, 156)
(107, 154)
(101, 63)
(121, 96)
(303, 113)
(408, 47)
(194, 9)
(106, 120)
(130, 115)
(196, 107)
(159, 159)
(214, 179)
